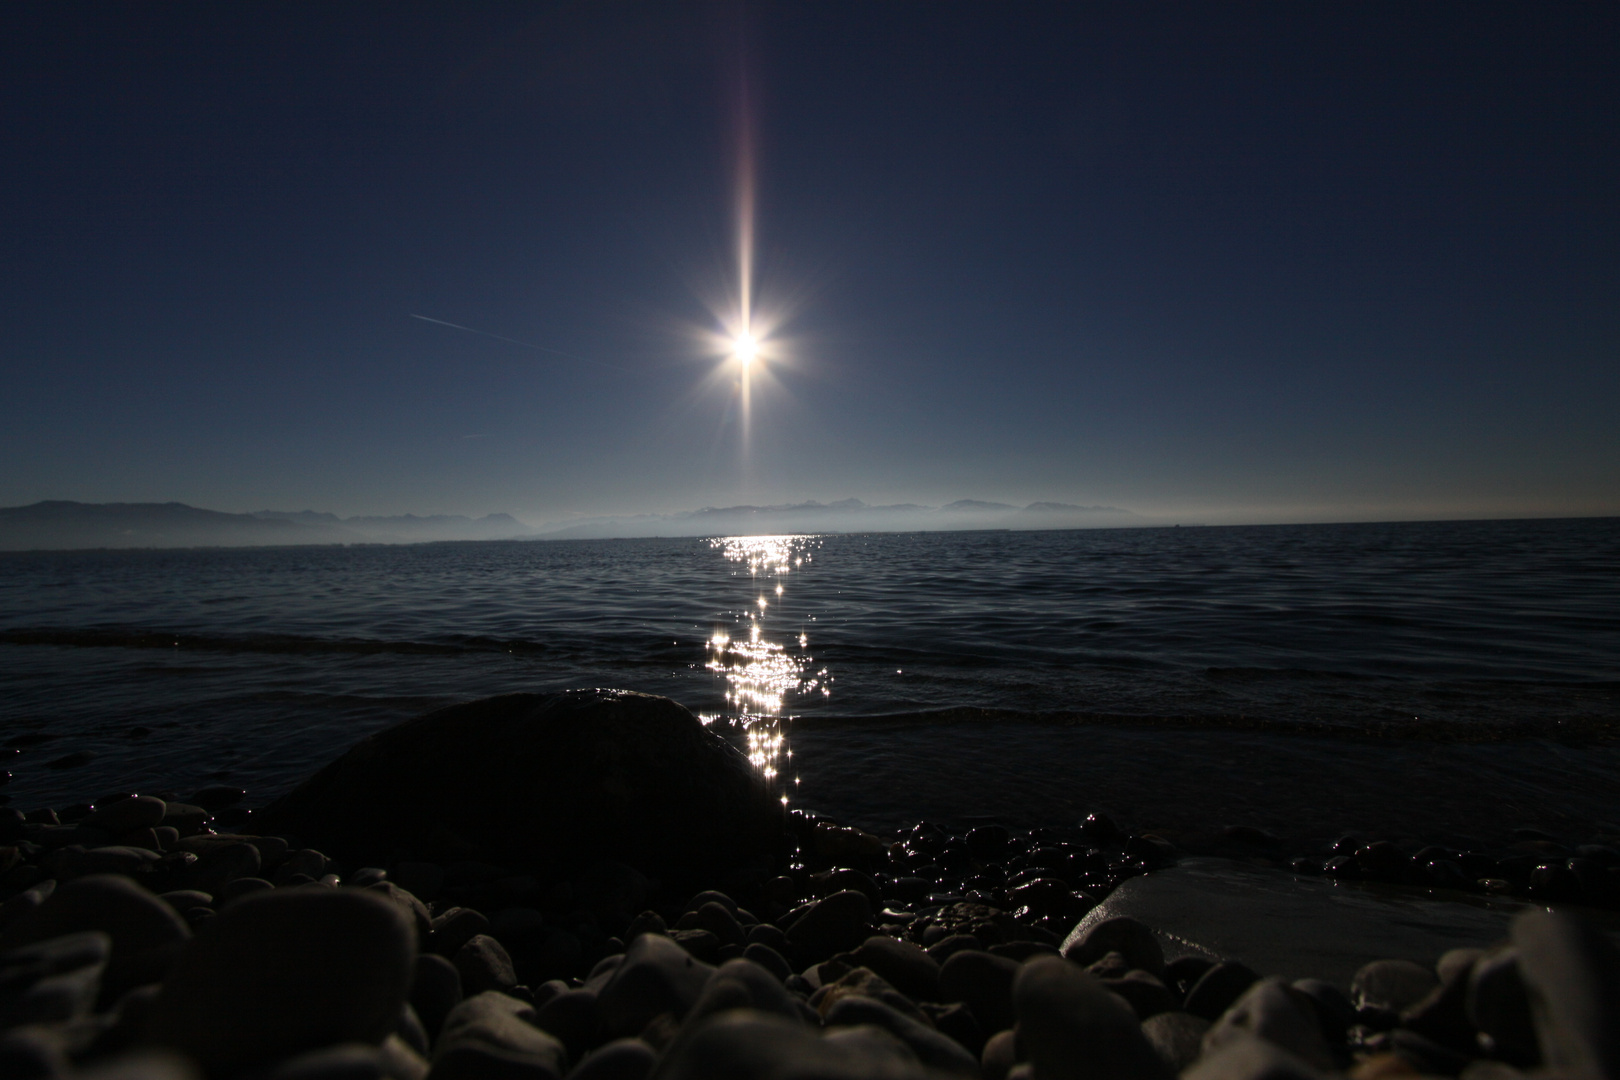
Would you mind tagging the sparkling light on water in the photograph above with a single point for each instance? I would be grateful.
(761, 673)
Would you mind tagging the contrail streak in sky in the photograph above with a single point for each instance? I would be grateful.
(510, 341)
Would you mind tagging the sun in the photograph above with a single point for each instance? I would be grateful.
(745, 348)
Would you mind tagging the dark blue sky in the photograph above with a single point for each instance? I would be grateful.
(1217, 262)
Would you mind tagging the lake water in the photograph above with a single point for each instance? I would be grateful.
(1436, 679)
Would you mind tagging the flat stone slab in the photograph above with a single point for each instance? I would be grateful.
(1299, 927)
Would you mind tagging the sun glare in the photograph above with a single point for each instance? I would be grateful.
(745, 349)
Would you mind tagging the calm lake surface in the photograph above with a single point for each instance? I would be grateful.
(1425, 679)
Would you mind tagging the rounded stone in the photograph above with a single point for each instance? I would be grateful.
(145, 931)
(656, 976)
(985, 982)
(834, 924)
(1176, 1037)
(483, 964)
(139, 812)
(557, 781)
(435, 990)
(1218, 988)
(621, 1059)
(1071, 1028)
(491, 1036)
(1391, 985)
(1123, 934)
(282, 972)
(903, 965)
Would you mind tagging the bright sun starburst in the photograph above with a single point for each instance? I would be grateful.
(745, 348)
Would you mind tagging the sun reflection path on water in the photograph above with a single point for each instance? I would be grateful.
(761, 673)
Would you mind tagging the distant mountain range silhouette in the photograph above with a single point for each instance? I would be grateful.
(65, 525)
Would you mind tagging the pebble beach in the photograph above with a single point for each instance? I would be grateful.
(177, 937)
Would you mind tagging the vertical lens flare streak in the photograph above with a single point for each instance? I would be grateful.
(745, 348)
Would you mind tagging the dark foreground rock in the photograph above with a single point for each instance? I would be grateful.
(554, 781)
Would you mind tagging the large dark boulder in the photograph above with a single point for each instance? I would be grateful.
(552, 781)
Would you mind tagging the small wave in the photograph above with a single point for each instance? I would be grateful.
(1582, 731)
(116, 638)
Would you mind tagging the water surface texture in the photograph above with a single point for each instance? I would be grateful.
(895, 668)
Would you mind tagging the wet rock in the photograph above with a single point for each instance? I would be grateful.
(1277, 1013)
(862, 982)
(1124, 935)
(933, 1049)
(483, 964)
(221, 865)
(558, 781)
(1069, 1026)
(836, 923)
(492, 1035)
(988, 843)
(145, 931)
(1571, 970)
(985, 983)
(435, 990)
(656, 976)
(621, 1059)
(1498, 1005)
(282, 972)
(825, 884)
(1177, 1038)
(1251, 1058)
(903, 965)
(1218, 989)
(769, 959)
(454, 928)
(137, 812)
(1391, 985)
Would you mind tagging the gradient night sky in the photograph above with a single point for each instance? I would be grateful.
(1217, 262)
